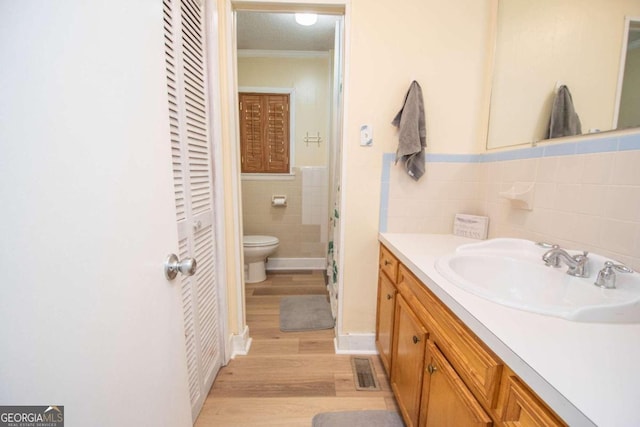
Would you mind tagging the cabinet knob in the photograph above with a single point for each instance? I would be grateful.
(387, 262)
(389, 296)
(416, 340)
(431, 368)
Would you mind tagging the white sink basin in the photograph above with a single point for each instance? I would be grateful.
(511, 272)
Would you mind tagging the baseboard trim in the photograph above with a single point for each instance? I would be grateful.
(296, 264)
(240, 343)
(355, 344)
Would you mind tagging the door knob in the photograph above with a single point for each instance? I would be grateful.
(173, 265)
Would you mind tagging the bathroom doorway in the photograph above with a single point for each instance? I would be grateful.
(274, 54)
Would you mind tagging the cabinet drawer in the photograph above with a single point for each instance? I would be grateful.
(388, 264)
(476, 365)
(521, 408)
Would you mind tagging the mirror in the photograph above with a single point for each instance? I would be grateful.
(544, 44)
(628, 114)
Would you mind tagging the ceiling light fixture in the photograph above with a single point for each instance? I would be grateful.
(306, 18)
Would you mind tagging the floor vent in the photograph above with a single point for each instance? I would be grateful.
(364, 374)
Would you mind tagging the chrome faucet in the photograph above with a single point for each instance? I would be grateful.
(578, 264)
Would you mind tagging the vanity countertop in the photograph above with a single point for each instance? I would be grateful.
(589, 373)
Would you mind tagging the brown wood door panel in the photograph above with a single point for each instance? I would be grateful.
(446, 400)
(409, 340)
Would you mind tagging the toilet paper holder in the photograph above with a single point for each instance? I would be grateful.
(279, 200)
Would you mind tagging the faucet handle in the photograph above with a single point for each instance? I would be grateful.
(618, 267)
(547, 245)
(607, 277)
(582, 256)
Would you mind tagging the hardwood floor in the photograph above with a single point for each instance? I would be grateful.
(287, 377)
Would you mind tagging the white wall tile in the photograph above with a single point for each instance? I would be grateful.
(622, 203)
(575, 204)
(626, 169)
(569, 169)
(567, 197)
(597, 168)
(519, 170)
(618, 236)
(591, 200)
(547, 167)
(544, 195)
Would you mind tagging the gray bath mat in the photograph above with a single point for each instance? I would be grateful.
(305, 313)
(357, 419)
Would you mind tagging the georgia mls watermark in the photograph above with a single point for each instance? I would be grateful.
(32, 416)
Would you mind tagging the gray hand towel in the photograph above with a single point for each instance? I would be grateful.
(564, 120)
(412, 136)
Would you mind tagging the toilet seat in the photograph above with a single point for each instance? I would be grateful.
(256, 241)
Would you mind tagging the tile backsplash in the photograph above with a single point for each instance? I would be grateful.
(586, 195)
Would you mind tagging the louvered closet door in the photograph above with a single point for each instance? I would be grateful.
(188, 109)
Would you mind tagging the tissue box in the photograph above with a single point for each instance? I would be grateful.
(473, 226)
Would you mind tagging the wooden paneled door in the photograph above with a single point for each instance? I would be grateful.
(264, 132)
(185, 48)
(446, 400)
(408, 361)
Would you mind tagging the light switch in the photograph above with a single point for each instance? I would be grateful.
(366, 136)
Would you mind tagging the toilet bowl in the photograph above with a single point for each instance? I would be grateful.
(256, 250)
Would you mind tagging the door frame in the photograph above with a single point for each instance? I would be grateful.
(338, 7)
(215, 139)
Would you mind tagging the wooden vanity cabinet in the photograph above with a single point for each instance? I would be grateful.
(441, 373)
(475, 363)
(387, 276)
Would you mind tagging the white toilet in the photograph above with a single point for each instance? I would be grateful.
(256, 251)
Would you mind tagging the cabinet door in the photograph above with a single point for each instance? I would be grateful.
(384, 322)
(446, 400)
(409, 340)
(522, 409)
